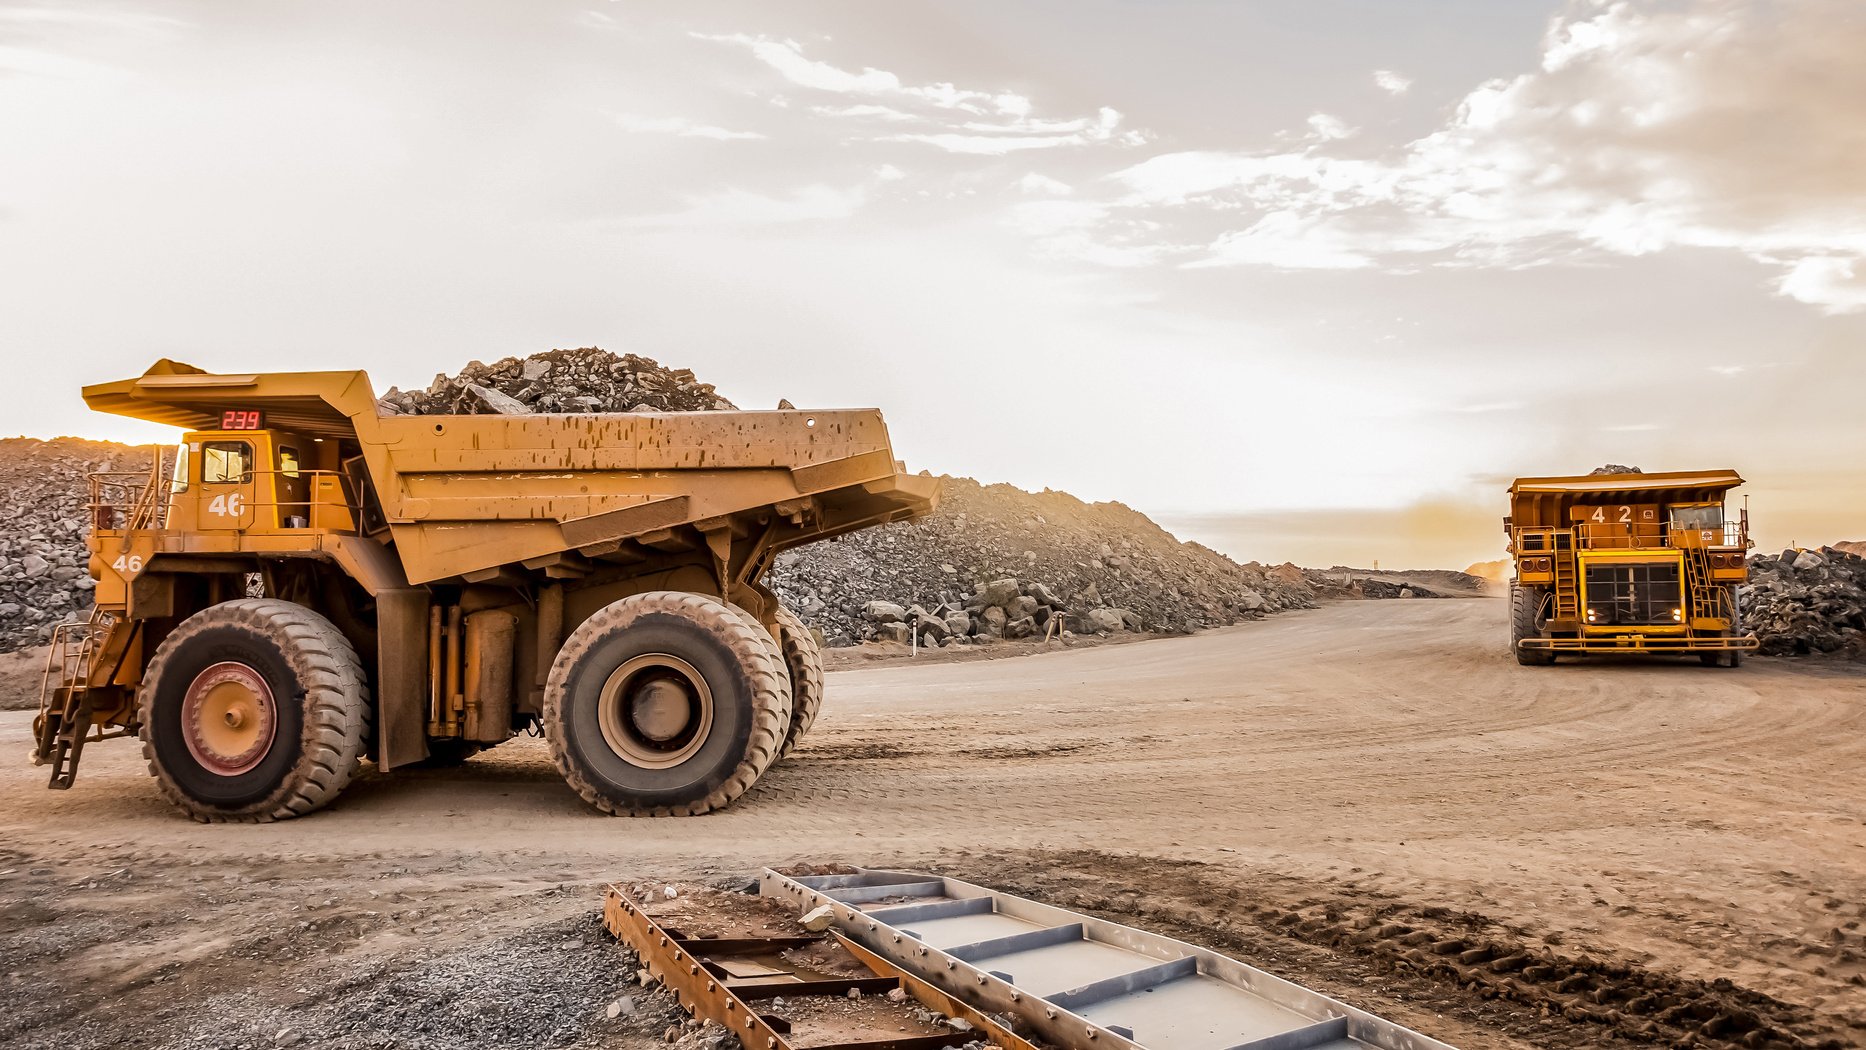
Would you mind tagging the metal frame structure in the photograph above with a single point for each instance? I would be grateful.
(1078, 981)
(701, 974)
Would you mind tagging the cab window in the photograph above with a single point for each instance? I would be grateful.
(179, 483)
(288, 461)
(1700, 517)
(226, 462)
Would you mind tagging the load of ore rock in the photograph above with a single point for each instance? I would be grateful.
(585, 380)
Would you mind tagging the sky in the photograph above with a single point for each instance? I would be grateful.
(1305, 280)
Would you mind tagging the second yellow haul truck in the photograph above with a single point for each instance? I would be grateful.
(312, 582)
(1628, 563)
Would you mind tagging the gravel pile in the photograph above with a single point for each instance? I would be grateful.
(996, 561)
(1346, 582)
(1801, 602)
(43, 492)
(585, 380)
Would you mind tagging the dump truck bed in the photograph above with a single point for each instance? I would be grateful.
(463, 496)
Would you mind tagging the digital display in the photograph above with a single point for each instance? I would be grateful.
(242, 419)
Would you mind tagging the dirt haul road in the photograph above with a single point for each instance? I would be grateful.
(1370, 797)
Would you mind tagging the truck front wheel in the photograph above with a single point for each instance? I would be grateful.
(1526, 621)
(253, 710)
(666, 704)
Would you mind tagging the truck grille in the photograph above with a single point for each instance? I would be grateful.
(1638, 595)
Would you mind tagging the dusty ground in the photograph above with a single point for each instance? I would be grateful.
(1369, 797)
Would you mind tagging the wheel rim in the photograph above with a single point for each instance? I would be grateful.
(228, 718)
(655, 711)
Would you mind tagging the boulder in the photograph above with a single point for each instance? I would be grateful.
(895, 632)
(1023, 627)
(998, 592)
(502, 403)
(884, 612)
(991, 621)
(1043, 595)
(1106, 621)
(932, 627)
(1020, 607)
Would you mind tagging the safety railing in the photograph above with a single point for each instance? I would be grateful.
(126, 500)
(1548, 539)
(239, 509)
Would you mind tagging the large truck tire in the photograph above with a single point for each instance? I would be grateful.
(1525, 605)
(666, 704)
(804, 658)
(254, 710)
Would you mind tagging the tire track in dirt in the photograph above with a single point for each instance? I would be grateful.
(1489, 975)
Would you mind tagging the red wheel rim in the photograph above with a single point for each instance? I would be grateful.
(228, 718)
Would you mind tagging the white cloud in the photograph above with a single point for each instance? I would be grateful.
(1643, 129)
(1833, 282)
(1038, 184)
(682, 127)
(1392, 83)
(866, 109)
(1329, 128)
(889, 173)
(958, 120)
(737, 207)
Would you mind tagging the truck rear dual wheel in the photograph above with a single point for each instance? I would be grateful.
(1526, 622)
(666, 704)
(254, 710)
(804, 658)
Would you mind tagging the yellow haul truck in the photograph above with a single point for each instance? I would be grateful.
(311, 582)
(1639, 563)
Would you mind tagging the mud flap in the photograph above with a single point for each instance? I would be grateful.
(401, 677)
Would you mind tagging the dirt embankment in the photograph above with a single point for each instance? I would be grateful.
(1057, 551)
(44, 492)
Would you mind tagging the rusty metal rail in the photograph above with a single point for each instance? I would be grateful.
(745, 985)
(1077, 981)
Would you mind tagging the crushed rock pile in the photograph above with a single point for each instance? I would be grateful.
(995, 561)
(1813, 601)
(43, 493)
(1345, 582)
(585, 380)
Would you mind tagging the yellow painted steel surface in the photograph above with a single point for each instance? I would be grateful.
(467, 494)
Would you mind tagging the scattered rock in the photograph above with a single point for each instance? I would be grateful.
(818, 919)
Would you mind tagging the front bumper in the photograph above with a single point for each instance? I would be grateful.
(1641, 643)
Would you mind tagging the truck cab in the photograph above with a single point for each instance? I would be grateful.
(247, 479)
